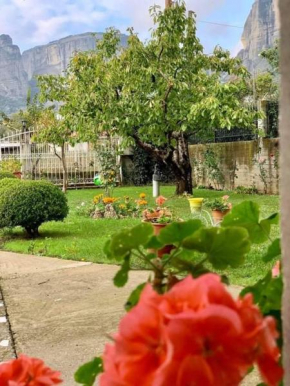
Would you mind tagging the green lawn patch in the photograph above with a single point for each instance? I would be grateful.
(82, 238)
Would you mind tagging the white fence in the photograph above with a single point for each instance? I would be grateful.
(43, 161)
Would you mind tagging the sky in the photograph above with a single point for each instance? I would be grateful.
(35, 22)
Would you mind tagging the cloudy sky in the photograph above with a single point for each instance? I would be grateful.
(35, 22)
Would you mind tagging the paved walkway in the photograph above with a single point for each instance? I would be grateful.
(60, 310)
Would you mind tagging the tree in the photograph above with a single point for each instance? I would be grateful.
(154, 94)
(272, 55)
(51, 130)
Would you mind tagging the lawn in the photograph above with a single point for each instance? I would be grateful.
(82, 238)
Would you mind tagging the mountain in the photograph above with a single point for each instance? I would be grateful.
(17, 72)
(13, 78)
(260, 32)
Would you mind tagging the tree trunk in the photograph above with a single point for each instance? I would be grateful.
(32, 232)
(176, 158)
(181, 166)
(64, 166)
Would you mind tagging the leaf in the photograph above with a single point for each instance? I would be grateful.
(223, 246)
(134, 297)
(122, 276)
(176, 232)
(267, 293)
(154, 243)
(247, 215)
(273, 252)
(125, 241)
(87, 373)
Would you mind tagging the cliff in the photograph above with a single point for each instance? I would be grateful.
(13, 78)
(260, 32)
(18, 72)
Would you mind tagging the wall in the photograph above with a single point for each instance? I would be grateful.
(247, 163)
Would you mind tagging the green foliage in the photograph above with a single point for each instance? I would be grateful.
(246, 190)
(212, 165)
(109, 169)
(30, 203)
(6, 175)
(267, 293)
(122, 244)
(134, 297)
(274, 251)
(219, 204)
(195, 248)
(273, 57)
(10, 165)
(247, 215)
(121, 276)
(176, 232)
(223, 246)
(87, 373)
(153, 94)
(267, 87)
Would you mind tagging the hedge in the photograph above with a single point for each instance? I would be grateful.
(30, 203)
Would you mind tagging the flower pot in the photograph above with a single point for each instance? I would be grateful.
(218, 215)
(167, 248)
(17, 174)
(195, 204)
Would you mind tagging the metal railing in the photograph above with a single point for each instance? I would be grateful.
(41, 161)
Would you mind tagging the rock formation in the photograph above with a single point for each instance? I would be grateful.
(13, 78)
(260, 32)
(18, 72)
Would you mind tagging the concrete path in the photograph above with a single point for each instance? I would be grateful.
(60, 310)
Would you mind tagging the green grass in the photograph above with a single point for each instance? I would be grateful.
(82, 238)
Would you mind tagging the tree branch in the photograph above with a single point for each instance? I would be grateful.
(55, 153)
(164, 102)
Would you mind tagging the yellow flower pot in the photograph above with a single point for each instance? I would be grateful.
(195, 204)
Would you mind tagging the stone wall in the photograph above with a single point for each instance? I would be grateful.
(232, 164)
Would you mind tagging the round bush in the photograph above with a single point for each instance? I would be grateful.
(6, 175)
(30, 203)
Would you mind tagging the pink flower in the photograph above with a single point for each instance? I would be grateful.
(194, 334)
(225, 198)
(160, 200)
(26, 371)
(276, 269)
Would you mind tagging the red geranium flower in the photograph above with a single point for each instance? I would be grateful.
(160, 200)
(194, 334)
(26, 371)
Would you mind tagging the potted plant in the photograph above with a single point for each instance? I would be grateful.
(219, 208)
(159, 217)
(195, 204)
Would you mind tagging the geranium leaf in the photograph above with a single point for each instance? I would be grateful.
(247, 215)
(273, 252)
(122, 276)
(267, 293)
(134, 297)
(154, 243)
(223, 246)
(125, 241)
(176, 232)
(87, 373)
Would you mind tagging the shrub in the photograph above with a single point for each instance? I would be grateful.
(6, 175)
(7, 182)
(30, 203)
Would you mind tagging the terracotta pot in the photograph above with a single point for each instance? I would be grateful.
(167, 248)
(17, 174)
(218, 215)
(195, 204)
